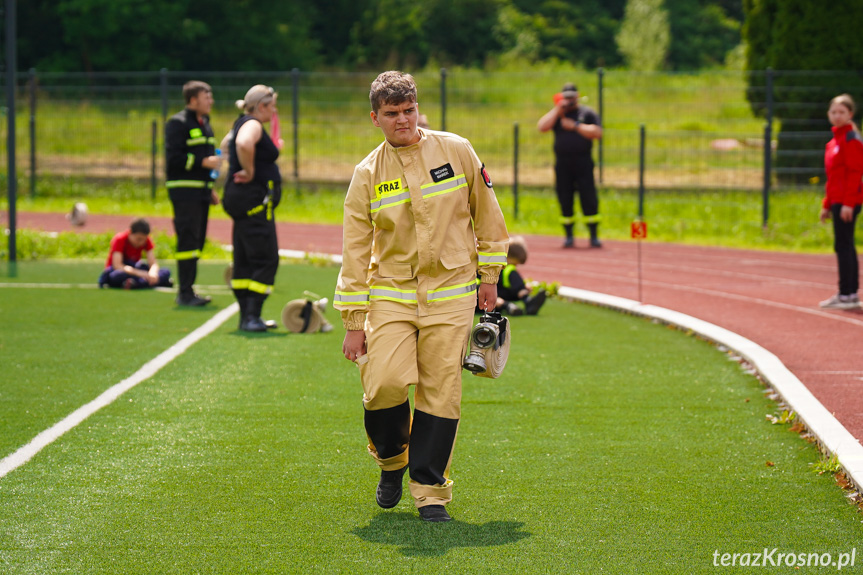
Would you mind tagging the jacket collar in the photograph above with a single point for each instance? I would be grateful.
(841, 130)
(423, 138)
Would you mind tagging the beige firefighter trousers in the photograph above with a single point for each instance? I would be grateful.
(427, 352)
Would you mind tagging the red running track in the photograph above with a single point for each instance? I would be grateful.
(769, 297)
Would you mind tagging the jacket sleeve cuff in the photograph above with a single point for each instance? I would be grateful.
(489, 275)
(354, 320)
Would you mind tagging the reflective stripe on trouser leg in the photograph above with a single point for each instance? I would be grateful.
(388, 431)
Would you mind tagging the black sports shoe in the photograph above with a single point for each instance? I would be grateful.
(595, 243)
(533, 303)
(434, 514)
(389, 491)
(253, 323)
(569, 242)
(511, 309)
(192, 300)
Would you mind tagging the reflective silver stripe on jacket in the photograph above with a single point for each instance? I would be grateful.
(492, 259)
(351, 298)
(444, 187)
(393, 294)
(390, 201)
(452, 292)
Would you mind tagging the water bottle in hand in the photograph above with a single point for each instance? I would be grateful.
(214, 173)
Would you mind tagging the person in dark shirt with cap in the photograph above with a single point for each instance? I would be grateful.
(575, 127)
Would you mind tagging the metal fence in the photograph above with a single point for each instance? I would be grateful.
(701, 131)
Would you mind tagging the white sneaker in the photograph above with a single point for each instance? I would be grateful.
(841, 302)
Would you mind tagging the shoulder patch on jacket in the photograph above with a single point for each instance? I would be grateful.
(853, 135)
(486, 178)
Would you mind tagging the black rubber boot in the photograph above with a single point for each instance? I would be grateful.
(594, 236)
(389, 491)
(242, 300)
(252, 317)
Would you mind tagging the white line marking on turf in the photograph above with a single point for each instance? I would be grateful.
(148, 370)
(826, 428)
(216, 287)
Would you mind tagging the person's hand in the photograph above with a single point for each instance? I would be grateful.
(568, 124)
(486, 297)
(354, 345)
(847, 214)
(214, 198)
(825, 215)
(212, 162)
(243, 177)
(152, 279)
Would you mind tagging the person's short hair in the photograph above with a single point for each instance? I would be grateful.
(517, 249)
(846, 100)
(569, 90)
(193, 88)
(392, 87)
(140, 226)
(257, 95)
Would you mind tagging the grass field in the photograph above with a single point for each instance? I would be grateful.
(610, 444)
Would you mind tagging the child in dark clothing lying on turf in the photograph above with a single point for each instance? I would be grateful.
(511, 287)
(125, 268)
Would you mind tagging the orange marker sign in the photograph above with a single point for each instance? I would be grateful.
(638, 230)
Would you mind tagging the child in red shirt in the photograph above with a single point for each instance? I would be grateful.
(125, 267)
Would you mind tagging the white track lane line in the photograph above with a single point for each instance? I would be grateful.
(148, 370)
(706, 291)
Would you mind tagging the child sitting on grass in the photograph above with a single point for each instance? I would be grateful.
(511, 287)
(125, 267)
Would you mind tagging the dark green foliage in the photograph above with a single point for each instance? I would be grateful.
(799, 35)
(232, 35)
(109, 35)
(701, 34)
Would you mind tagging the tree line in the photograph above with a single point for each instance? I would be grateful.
(229, 35)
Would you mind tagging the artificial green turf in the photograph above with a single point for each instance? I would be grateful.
(610, 444)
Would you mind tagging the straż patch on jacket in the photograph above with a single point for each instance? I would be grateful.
(390, 187)
(442, 173)
(485, 177)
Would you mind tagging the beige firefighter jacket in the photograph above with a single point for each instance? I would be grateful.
(419, 222)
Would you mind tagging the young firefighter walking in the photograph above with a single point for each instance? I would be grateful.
(421, 218)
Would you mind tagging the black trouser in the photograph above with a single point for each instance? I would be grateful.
(575, 175)
(256, 247)
(190, 225)
(846, 251)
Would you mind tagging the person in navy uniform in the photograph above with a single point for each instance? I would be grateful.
(190, 159)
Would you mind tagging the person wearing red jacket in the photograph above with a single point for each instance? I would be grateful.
(843, 164)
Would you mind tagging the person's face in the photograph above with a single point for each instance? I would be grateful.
(398, 122)
(138, 240)
(571, 103)
(838, 114)
(265, 111)
(202, 103)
